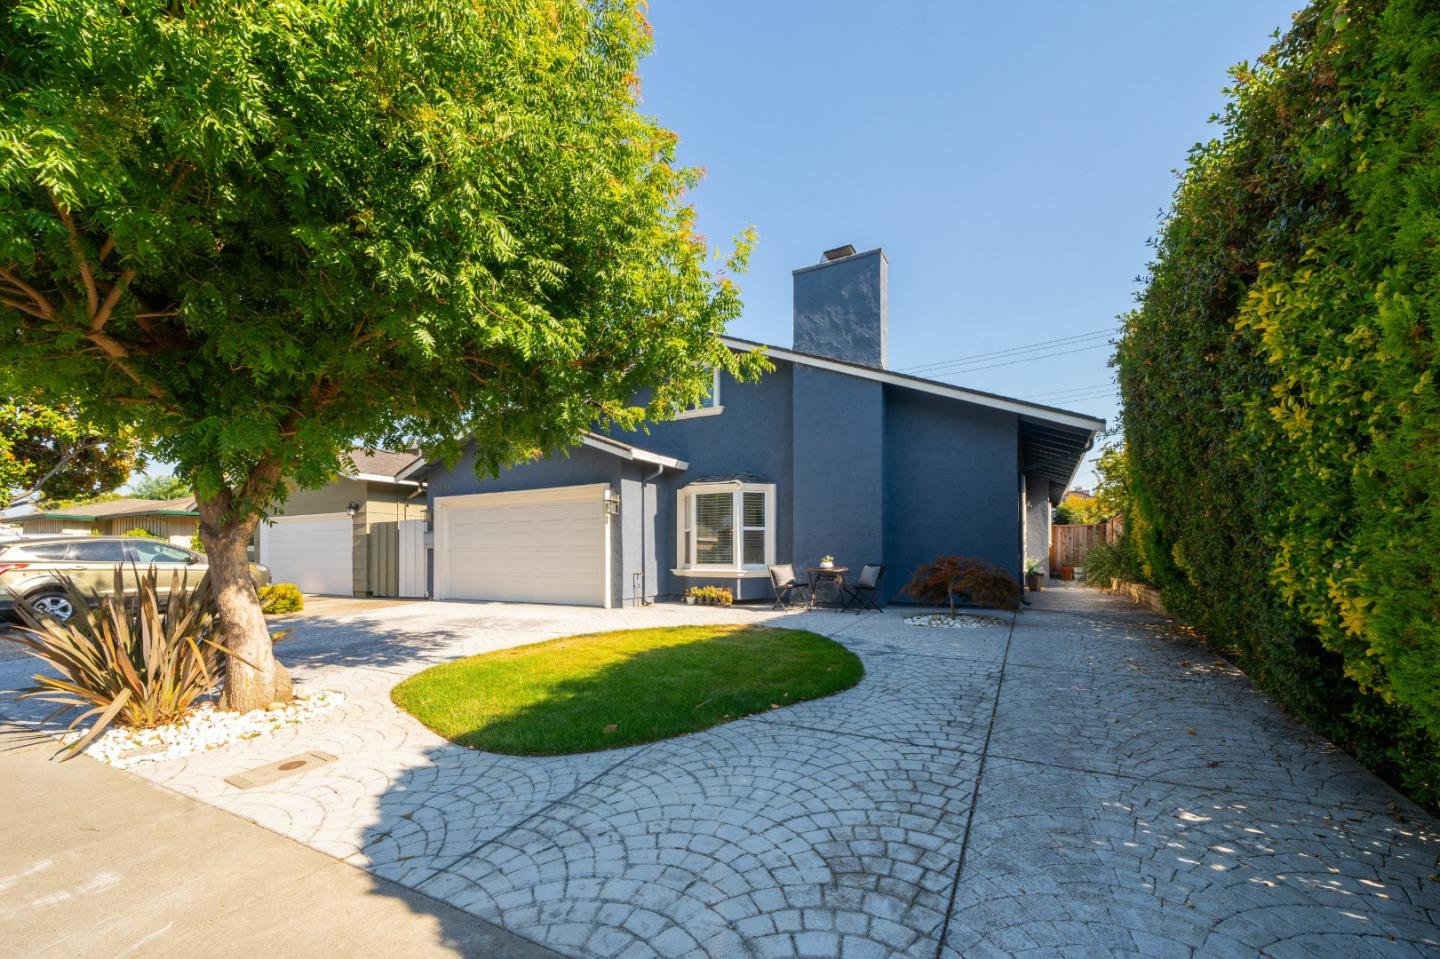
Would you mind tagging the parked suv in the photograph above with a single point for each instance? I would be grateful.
(32, 568)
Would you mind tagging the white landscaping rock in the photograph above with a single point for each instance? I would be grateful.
(204, 728)
(962, 621)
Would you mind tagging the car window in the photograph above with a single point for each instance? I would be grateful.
(93, 551)
(50, 551)
(146, 553)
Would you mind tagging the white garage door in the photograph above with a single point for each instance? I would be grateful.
(313, 552)
(535, 546)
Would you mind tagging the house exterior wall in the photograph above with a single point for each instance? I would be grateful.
(376, 503)
(45, 526)
(841, 309)
(864, 471)
(177, 529)
(951, 484)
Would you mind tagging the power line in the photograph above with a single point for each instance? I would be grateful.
(1024, 359)
(1076, 389)
(1041, 345)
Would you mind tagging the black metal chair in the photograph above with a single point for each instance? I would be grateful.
(862, 591)
(782, 578)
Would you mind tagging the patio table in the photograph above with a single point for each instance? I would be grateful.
(818, 574)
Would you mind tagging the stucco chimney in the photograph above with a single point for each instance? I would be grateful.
(840, 306)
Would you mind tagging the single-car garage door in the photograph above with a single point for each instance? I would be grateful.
(313, 552)
(531, 546)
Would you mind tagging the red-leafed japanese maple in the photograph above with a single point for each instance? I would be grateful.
(952, 580)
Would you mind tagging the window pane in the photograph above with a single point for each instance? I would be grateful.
(715, 529)
(146, 552)
(754, 510)
(93, 552)
(754, 547)
(45, 550)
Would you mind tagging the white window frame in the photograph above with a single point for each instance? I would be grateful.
(685, 526)
(714, 409)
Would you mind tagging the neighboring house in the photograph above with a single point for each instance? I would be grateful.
(343, 538)
(832, 453)
(176, 520)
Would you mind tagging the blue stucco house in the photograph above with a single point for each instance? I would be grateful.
(832, 453)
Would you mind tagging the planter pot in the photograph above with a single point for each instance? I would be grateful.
(827, 565)
(1032, 580)
(1067, 572)
(689, 600)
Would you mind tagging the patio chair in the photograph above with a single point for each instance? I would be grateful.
(782, 578)
(862, 591)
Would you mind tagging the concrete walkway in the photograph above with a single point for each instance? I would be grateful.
(95, 863)
(1078, 780)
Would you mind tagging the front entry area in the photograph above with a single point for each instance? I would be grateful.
(315, 552)
(528, 546)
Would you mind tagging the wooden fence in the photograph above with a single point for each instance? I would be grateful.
(1069, 544)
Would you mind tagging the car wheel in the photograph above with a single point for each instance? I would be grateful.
(57, 605)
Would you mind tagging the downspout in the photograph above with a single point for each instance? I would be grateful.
(644, 554)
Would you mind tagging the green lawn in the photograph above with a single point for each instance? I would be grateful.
(586, 693)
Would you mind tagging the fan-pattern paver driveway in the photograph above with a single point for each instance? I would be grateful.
(1078, 780)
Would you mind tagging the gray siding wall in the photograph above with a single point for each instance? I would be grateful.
(951, 484)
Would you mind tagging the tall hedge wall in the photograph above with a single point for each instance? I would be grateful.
(1279, 379)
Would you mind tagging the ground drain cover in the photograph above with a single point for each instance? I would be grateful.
(290, 766)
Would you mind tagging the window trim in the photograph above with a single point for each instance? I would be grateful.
(685, 500)
(714, 409)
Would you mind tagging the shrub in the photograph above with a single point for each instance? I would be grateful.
(121, 659)
(1279, 382)
(711, 595)
(196, 544)
(281, 598)
(960, 579)
(141, 533)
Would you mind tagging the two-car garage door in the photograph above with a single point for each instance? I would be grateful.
(531, 546)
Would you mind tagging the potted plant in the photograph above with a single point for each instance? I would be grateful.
(1033, 576)
(827, 562)
(709, 596)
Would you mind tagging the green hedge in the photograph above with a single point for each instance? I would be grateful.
(1282, 414)
(280, 598)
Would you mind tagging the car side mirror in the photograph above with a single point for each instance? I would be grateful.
(192, 560)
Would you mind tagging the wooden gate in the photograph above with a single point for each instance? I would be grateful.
(1069, 544)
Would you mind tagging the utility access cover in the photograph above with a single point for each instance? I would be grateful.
(289, 766)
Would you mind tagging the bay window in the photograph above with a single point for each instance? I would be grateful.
(726, 527)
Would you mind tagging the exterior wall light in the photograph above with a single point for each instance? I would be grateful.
(351, 508)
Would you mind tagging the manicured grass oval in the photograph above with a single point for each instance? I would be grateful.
(599, 691)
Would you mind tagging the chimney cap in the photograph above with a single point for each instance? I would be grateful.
(839, 253)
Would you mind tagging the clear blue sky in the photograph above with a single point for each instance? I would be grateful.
(1012, 159)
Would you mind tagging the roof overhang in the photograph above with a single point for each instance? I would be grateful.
(625, 451)
(977, 397)
(396, 480)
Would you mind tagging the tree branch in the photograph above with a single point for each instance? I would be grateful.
(25, 309)
(101, 317)
(65, 460)
(92, 298)
(42, 304)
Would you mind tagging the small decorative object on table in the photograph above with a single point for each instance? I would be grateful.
(709, 596)
(827, 562)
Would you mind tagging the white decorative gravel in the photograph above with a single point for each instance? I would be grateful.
(203, 728)
(945, 621)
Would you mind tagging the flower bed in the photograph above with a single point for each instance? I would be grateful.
(202, 729)
(958, 621)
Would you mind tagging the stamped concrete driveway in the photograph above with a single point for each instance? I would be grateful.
(1079, 780)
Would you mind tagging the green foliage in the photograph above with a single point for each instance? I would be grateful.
(120, 658)
(196, 544)
(607, 690)
(1079, 510)
(1280, 375)
(143, 533)
(711, 595)
(260, 232)
(951, 580)
(160, 487)
(1065, 514)
(52, 451)
(280, 598)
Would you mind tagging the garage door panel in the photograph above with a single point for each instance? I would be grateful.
(548, 547)
(314, 554)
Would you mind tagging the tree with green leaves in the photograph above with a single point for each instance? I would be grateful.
(49, 451)
(160, 487)
(261, 232)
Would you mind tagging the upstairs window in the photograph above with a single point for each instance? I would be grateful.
(726, 527)
(710, 405)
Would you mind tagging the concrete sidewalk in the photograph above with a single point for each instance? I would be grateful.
(97, 863)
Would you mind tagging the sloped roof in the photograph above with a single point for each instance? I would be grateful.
(382, 463)
(126, 506)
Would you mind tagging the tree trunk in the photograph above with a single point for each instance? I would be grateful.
(253, 679)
